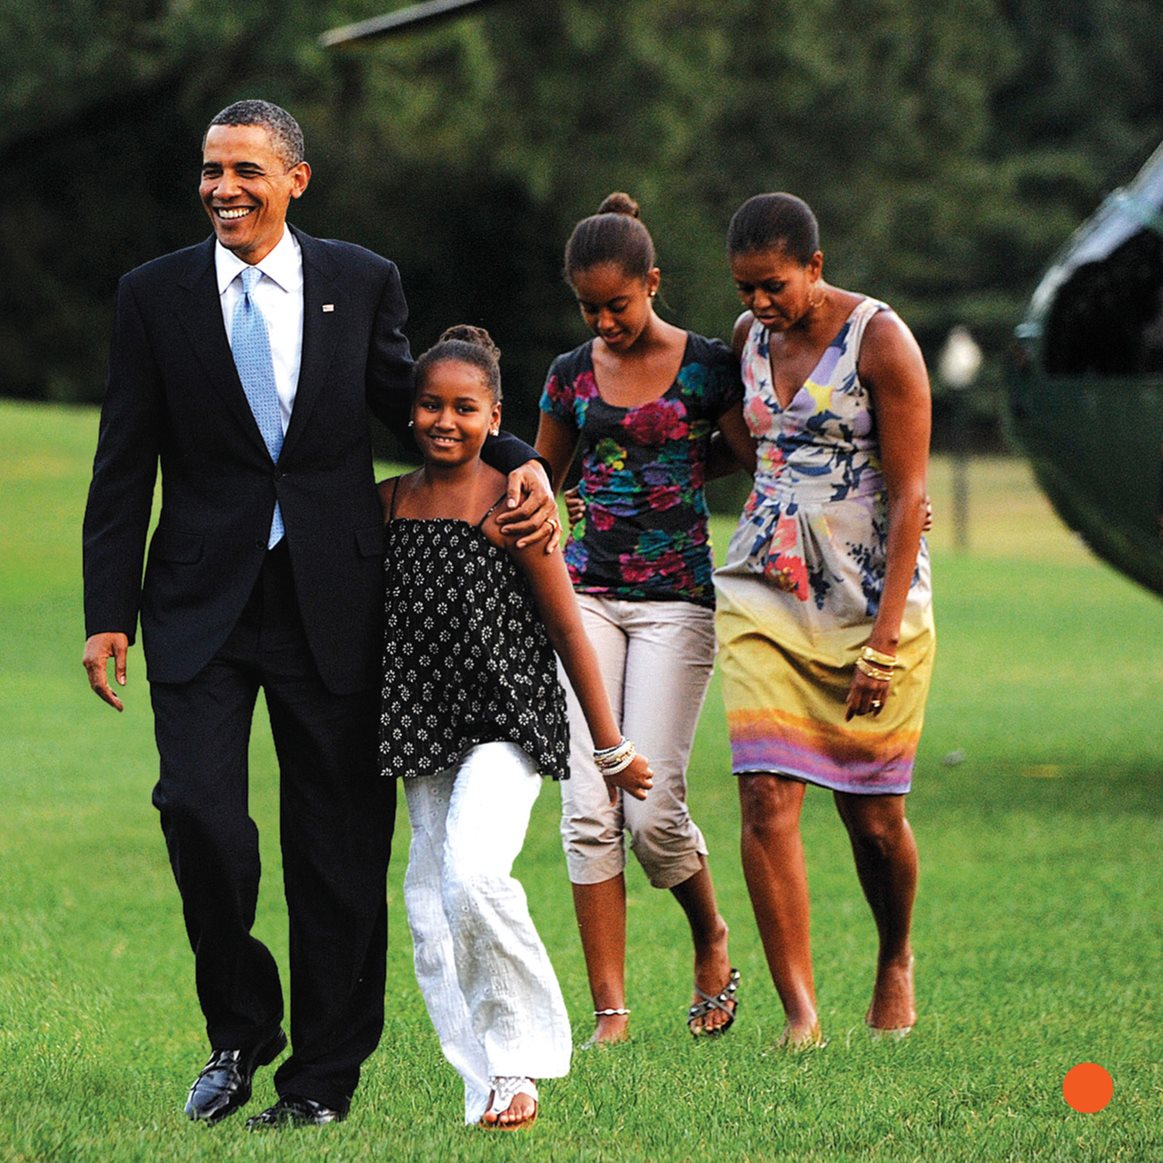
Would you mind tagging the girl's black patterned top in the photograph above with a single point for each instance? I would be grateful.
(466, 656)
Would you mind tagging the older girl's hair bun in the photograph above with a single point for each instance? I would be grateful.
(617, 234)
(475, 336)
(620, 203)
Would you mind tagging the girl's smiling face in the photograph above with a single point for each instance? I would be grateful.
(453, 411)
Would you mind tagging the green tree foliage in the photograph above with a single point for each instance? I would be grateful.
(101, 114)
(948, 150)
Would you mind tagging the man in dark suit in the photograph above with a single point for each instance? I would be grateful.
(251, 390)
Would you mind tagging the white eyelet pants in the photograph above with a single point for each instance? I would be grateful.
(484, 973)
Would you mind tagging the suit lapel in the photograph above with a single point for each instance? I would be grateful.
(323, 316)
(200, 313)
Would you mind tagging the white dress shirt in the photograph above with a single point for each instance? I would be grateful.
(279, 296)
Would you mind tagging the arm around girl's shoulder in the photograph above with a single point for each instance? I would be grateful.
(738, 439)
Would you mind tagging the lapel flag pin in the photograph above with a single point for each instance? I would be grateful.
(328, 306)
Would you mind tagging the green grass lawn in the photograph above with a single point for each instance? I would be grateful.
(1039, 926)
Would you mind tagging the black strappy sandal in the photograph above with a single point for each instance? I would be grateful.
(717, 1002)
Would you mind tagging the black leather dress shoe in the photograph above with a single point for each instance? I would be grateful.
(293, 1111)
(224, 1084)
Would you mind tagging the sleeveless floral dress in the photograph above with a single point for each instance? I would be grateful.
(802, 580)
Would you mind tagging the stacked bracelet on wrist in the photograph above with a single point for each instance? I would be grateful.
(611, 760)
(875, 664)
(873, 672)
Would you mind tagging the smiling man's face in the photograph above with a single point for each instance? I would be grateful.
(246, 188)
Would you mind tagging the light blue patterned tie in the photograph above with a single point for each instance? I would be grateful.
(252, 357)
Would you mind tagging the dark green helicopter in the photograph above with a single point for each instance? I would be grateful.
(1086, 396)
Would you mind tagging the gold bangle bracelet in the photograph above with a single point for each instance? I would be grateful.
(875, 656)
(873, 672)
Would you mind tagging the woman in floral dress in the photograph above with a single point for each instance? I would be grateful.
(641, 399)
(824, 615)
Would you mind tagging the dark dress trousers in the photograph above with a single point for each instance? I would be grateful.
(222, 617)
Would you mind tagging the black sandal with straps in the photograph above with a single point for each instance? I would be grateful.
(725, 1000)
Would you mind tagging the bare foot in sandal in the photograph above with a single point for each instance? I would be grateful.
(513, 1104)
(714, 1013)
(713, 1004)
(713, 976)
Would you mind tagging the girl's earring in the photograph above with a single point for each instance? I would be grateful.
(411, 423)
(494, 432)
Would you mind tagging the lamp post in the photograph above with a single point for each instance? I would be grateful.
(957, 368)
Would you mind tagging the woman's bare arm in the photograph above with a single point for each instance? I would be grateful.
(892, 368)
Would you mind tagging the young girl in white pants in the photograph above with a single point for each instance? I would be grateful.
(472, 718)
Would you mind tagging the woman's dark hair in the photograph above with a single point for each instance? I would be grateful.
(774, 222)
(615, 234)
(466, 344)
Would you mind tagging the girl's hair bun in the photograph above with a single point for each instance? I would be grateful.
(467, 344)
(475, 336)
(615, 234)
(620, 203)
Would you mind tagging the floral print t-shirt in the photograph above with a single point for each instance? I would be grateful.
(644, 535)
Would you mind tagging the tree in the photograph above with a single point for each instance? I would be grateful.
(948, 150)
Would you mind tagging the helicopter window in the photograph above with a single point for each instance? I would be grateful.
(1107, 317)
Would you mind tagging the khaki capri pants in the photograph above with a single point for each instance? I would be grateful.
(656, 660)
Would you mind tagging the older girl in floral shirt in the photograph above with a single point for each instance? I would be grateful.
(641, 400)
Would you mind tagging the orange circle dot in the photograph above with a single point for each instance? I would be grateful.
(1087, 1087)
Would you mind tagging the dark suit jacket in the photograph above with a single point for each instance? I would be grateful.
(174, 397)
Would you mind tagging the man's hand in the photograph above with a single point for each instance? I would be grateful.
(531, 511)
(98, 650)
